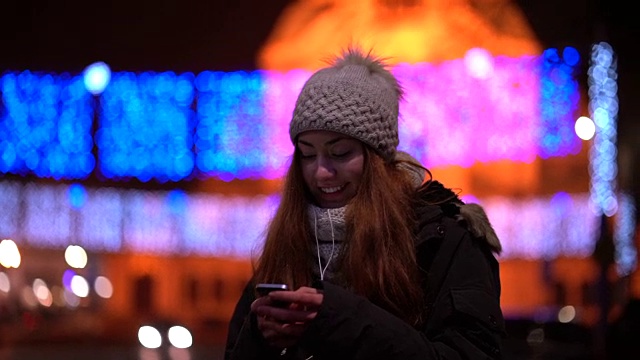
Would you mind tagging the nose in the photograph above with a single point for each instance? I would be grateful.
(324, 168)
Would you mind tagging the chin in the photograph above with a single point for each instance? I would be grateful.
(327, 202)
(332, 204)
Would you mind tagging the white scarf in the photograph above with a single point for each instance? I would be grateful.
(329, 226)
(329, 230)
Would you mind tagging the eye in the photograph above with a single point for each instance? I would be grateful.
(307, 156)
(341, 154)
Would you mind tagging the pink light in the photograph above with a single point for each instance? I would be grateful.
(479, 63)
(232, 226)
(149, 227)
(279, 102)
(450, 118)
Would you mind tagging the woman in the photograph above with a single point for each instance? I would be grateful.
(383, 261)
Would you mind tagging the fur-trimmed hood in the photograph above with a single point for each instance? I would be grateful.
(435, 200)
(472, 215)
(478, 223)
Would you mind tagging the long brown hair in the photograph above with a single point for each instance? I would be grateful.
(378, 260)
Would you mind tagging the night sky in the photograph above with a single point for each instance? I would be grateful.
(135, 35)
(138, 35)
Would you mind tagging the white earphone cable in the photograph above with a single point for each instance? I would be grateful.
(333, 243)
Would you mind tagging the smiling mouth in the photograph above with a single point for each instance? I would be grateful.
(331, 190)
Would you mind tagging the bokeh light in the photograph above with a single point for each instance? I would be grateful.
(45, 126)
(72, 300)
(5, 284)
(585, 128)
(75, 256)
(77, 195)
(9, 254)
(603, 104)
(571, 56)
(149, 337)
(567, 314)
(180, 337)
(103, 287)
(96, 77)
(79, 286)
(67, 276)
(479, 63)
(42, 292)
(176, 127)
(147, 125)
(177, 223)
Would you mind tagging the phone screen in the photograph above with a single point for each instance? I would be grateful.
(264, 289)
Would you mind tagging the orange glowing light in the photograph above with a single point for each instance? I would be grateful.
(405, 31)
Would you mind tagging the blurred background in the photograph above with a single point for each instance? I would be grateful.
(142, 146)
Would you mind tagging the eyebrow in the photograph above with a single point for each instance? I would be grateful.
(330, 142)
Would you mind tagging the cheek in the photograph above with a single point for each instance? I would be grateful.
(356, 169)
(307, 173)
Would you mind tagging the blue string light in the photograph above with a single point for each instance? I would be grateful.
(172, 127)
(45, 126)
(603, 105)
(230, 137)
(146, 127)
(559, 99)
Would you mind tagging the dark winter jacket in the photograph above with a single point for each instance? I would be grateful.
(455, 246)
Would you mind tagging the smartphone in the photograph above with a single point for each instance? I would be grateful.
(264, 289)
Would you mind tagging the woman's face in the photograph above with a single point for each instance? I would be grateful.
(332, 166)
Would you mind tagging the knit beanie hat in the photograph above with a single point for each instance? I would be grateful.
(356, 96)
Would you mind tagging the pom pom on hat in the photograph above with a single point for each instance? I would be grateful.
(356, 96)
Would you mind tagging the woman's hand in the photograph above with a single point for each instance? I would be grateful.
(282, 326)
